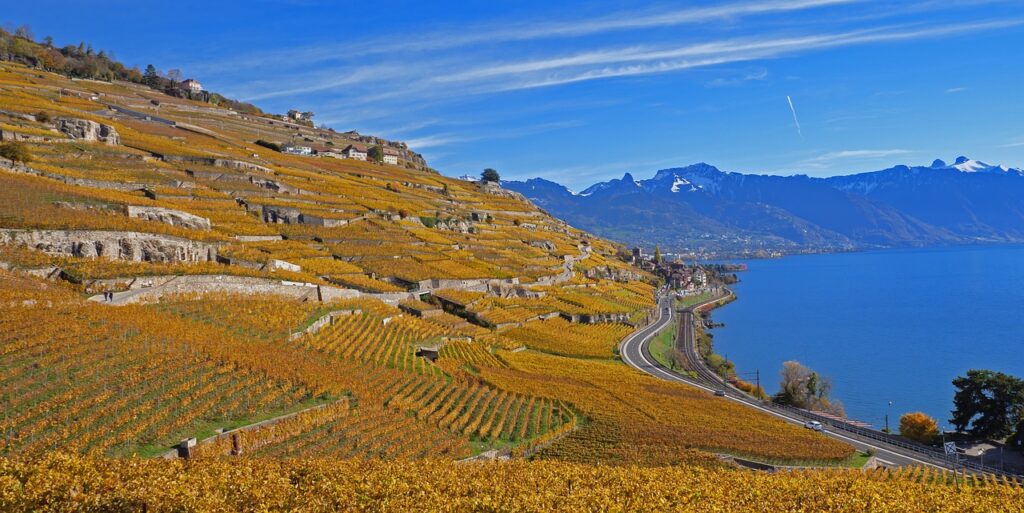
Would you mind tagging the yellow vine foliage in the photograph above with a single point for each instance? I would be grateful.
(60, 482)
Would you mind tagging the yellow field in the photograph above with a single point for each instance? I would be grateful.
(71, 483)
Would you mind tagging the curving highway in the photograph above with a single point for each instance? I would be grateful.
(635, 353)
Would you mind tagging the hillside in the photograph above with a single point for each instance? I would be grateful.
(401, 313)
(700, 209)
(334, 334)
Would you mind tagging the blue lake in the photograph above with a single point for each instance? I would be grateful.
(894, 325)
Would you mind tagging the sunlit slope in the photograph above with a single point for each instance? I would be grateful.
(395, 312)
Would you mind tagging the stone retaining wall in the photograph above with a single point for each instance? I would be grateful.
(133, 246)
(168, 216)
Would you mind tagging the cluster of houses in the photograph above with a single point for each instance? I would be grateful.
(678, 275)
(352, 151)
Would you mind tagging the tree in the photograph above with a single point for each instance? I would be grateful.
(48, 41)
(23, 48)
(150, 77)
(490, 175)
(52, 60)
(802, 387)
(657, 254)
(919, 426)
(174, 75)
(376, 154)
(24, 32)
(987, 404)
(15, 151)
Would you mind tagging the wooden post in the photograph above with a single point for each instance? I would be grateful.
(185, 448)
(236, 445)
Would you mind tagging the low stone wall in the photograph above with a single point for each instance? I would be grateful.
(126, 283)
(8, 135)
(596, 318)
(257, 238)
(327, 293)
(209, 284)
(16, 167)
(326, 320)
(169, 216)
(479, 285)
(133, 246)
(210, 161)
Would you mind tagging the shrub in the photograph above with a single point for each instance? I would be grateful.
(268, 144)
(429, 222)
(918, 426)
(490, 175)
(43, 117)
(15, 151)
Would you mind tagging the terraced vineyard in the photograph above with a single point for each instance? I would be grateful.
(635, 418)
(97, 383)
(320, 306)
(558, 336)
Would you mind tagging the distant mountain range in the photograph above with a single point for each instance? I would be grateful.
(701, 209)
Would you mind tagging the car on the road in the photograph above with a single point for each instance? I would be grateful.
(815, 425)
(720, 393)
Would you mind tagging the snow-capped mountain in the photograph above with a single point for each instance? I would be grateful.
(698, 206)
(967, 165)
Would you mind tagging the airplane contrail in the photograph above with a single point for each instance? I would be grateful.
(795, 120)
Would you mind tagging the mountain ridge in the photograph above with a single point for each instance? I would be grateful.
(700, 208)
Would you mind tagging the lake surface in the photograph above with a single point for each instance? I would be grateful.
(894, 325)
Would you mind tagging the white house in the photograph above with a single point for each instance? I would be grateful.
(192, 86)
(699, 277)
(355, 152)
(391, 156)
(297, 150)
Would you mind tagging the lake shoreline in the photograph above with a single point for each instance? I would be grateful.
(886, 325)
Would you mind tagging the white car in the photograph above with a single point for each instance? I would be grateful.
(815, 425)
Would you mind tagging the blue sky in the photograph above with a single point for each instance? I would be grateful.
(584, 91)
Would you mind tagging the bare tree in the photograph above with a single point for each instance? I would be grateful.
(802, 387)
(24, 32)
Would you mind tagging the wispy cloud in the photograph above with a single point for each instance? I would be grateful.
(387, 82)
(453, 78)
(430, 141)
(826, 160)
(718, 52)
(751, 76)
(953, 90)
(511, 32)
